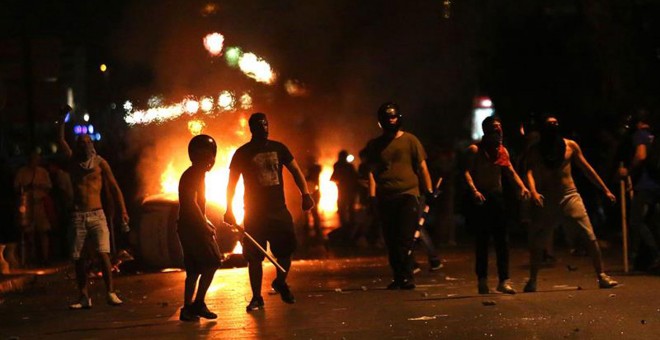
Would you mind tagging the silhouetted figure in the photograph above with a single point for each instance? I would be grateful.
(645, 170)
(346, 178)
(9, 232)
(32, 183)
(201, 256)
(313, 178)
(267, 218)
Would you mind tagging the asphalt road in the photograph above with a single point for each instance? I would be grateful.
(345, 298)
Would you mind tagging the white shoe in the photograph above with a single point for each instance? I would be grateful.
(84, 303)
(114, 300)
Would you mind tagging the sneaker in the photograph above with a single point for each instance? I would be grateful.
(187, 314)
(604, 281)
(407, 285)
(84, 303)
(482, 286)
(505, 287)
(283, 290)
(394, 285)
(255, 304)
(435, 265)
(530, 287)
(114, 300)
(201, 310)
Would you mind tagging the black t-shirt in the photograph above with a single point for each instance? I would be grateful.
(261, 166)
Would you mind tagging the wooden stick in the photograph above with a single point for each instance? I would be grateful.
(624, 225)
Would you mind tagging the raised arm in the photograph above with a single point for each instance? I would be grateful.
(60, 133)
(588, 170)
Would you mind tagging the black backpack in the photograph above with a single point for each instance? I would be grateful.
(652, 162)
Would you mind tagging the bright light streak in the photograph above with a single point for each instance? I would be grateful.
(191, 106)
(350, 158)
(256, 68)
(213, 43)
(206, 104)
(226, 100)
(155, 115)
(86, 117)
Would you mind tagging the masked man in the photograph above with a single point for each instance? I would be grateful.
(486, 162)
(89, 173)
(267, 218)
(396, 162)
(556, 198)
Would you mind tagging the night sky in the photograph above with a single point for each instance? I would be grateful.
(585, 60)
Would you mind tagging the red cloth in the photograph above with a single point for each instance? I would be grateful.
(501, 156)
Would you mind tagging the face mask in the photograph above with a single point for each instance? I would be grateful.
(552, 145)
(259, 129)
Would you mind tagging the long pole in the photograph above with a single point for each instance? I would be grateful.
(624, 224)
(256, 244)
(423, 216)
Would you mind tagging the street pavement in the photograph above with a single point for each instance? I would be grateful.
(344, 297)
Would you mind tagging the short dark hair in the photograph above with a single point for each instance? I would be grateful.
(488, 121)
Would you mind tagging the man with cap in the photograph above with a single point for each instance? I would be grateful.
(396, 163)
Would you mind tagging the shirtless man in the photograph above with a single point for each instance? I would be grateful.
(89, 172)
(556, 198)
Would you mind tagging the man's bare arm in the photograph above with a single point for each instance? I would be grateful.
(231, 190)
(299, 178)
(469, 165)
(62, 140)
(114, 187)
(537, 198)
(425, 176)
(588, 170)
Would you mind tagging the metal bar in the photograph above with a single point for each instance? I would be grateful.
(256, 244)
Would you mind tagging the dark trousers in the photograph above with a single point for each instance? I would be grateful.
(399, 219)
(643, 230)
(488, 221)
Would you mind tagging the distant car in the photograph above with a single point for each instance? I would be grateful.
(156, 240)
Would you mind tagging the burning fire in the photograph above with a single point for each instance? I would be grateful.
(216, 183)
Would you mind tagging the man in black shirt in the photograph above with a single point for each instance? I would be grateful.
(267, 218)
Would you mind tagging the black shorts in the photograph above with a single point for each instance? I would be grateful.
(200, 252)
(275, 228)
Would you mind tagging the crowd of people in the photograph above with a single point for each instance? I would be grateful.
(386, 198)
